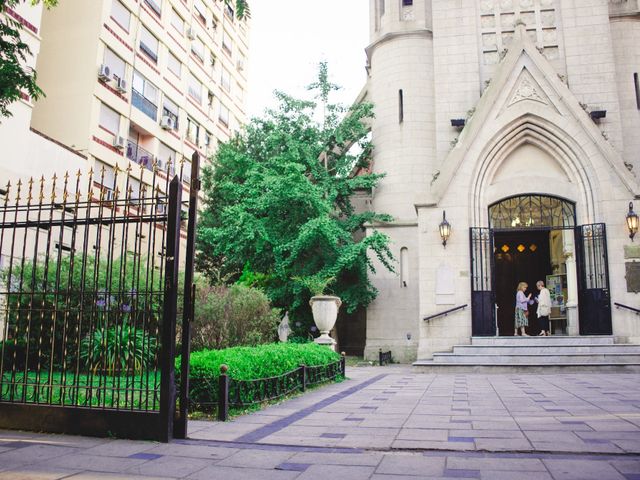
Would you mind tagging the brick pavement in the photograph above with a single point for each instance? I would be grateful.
(384, 423)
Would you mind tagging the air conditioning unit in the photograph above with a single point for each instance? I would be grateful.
(119, 142)
(167, 123)
(122, 85)
(240, 65)
(108, 194)
(104, 73)
(191, 33)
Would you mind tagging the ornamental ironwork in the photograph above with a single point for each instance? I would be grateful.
(532, 211)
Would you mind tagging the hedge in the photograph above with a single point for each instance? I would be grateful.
(249, 363)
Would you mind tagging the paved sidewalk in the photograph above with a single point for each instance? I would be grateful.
(384, 423)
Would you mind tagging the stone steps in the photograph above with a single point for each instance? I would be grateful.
(536, 355)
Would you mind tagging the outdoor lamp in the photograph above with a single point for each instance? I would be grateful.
(445, 228)
(632, 221)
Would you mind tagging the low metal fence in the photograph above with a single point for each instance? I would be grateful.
(224, 392)
(384, 357)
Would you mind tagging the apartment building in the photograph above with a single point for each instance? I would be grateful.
(138, 83)
(27, 152)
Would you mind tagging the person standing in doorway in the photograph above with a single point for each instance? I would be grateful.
(522, 309)
(544, 308)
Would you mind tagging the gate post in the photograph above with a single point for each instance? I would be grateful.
(223, 394)
(169, 314)
(180, 428)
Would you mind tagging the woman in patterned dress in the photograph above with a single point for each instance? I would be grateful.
(522, 309)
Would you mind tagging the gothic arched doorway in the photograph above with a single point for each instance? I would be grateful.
(533, 237)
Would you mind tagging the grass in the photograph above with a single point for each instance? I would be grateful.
(127, 392)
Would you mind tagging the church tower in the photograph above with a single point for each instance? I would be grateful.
(402, 91)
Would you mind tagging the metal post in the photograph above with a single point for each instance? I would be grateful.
(343, 364)
(380, 357)
(303, 374)
(170, 311)
(223, 394)
(180, 430)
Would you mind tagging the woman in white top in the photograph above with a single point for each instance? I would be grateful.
(544, 308)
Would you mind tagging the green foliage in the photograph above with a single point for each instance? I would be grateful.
(231, 316)
(316, 284)
(73, 293)
(15, 76)
(249, 363)
(278, 196)
(242, 10)
(118, 349)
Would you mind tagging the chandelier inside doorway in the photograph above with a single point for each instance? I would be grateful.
(532, 211)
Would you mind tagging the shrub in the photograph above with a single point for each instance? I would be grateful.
(118, 349)
(232, 316)
(248, 363)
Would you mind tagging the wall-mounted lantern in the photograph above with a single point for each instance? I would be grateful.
(445, 229)
(632, 221)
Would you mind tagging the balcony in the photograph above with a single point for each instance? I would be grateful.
(154, 6)
(146, 106)
(139, 155)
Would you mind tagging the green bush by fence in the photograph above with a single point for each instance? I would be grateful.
(249, 363)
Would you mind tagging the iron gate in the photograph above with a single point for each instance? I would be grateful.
(594, 302)
(482, 289)
(88, 302)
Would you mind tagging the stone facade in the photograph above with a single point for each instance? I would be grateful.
(525, 75)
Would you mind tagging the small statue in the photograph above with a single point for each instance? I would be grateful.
(283, 328)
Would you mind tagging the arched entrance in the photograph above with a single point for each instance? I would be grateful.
(534, 237)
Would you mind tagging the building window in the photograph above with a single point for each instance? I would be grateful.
(105, 175)
(226, 79)
(109, 119)
(193, 131)
(239, 92)
(195, 89)
(149, 44)
(174, 65)
(171, 110)
(407, 3)
(228, 11)
(400, 106)
(121, 14)
(207, 139)
(404, 267)
(223, 116)
(200, 11)
(382, 5)
(636, 84)
(155, 6)
(166, 157)
(227, 43)
(145, 96)
(177, 21)
(197, 48)
(115, 63)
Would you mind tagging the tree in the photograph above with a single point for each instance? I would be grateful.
(278, 203)
(15, 77)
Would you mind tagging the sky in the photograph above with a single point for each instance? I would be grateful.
(288, 39)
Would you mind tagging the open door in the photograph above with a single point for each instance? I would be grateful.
(594, 302)
(483, 322)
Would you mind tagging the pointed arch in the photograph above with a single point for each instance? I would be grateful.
(548, 137)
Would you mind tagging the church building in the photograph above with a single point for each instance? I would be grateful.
(509, 135)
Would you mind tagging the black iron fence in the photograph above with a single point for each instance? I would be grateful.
(224, 392)
(88, 303)
(384, 358)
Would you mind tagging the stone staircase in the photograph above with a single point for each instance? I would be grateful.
(536, 355)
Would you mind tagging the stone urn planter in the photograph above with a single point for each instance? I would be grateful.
(325, 313)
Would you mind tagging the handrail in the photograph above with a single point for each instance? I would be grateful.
(445, 313)
(634, 310)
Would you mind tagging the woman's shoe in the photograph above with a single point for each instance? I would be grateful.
(541, 334)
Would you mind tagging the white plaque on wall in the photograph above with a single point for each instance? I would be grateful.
(445, 285)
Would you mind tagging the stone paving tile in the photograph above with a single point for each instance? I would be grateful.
(177, 467)
(119, 448)
(256, 459)
(496, 463)
(205, 452)
(30, 455)
(229, 473)
(323, 472)
(35, 472)
(499, 444)
(411, 465)
(566, 469)
(502, 475)
(423, 434)
(367, 459)
(112, 476)
(94, 463)
(430, 444)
